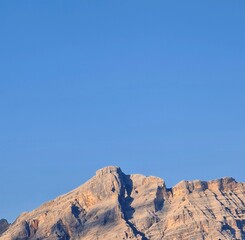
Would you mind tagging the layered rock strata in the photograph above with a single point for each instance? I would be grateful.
(113, 205)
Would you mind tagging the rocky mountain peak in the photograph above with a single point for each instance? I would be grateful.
(3, 225)
(187, 187)
(114, 205)
(109, 169)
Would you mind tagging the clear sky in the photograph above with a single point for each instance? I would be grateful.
(155, 87)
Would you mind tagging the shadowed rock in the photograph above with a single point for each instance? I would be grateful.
(4, 225)
(113, 205)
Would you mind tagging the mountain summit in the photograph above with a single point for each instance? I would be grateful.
(113, 205)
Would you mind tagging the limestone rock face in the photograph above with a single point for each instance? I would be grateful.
(113, 205)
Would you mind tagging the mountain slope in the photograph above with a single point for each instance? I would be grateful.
(113, 205)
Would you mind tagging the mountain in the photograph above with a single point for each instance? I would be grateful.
(3, 225)
(113, 205)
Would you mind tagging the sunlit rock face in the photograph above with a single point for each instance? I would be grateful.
(113, 205)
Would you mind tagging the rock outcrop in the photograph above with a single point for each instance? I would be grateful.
(113, 205)
(3, 225)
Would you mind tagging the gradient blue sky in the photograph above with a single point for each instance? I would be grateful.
(156, 87)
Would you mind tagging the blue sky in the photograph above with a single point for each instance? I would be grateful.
(156, 87)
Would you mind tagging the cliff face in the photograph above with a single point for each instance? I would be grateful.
(113, 205)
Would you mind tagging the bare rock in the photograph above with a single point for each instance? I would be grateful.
(113, 205)
(4, 225)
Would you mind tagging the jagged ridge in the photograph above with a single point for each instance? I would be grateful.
(113, 205)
